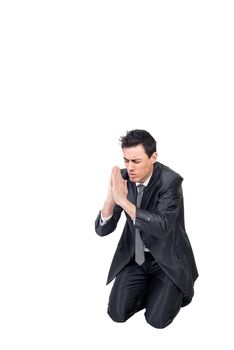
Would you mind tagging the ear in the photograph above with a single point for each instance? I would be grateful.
(154, 157)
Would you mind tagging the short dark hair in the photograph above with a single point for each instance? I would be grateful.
(139, 137)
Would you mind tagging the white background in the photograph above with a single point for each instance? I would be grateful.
(75, 76)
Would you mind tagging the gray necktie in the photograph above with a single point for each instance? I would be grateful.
(139, 245)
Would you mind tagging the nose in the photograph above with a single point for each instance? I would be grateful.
(131, 166)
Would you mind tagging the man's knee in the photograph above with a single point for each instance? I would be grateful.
(119, 314)
(116, 315)
(159, 323)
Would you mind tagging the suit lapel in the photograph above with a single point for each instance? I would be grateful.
(151, 185)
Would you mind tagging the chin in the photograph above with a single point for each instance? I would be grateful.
(134, 179)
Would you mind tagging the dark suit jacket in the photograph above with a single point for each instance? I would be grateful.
(161, 222)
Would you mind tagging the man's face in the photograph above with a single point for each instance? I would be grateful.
(138, 165)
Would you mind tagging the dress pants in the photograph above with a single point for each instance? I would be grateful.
(146, 286)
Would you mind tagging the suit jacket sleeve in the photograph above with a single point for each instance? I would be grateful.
(111, 224)
(162, 218)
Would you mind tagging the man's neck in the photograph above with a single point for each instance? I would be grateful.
(145, 183)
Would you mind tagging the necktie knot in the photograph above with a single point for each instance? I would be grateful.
(140, 188)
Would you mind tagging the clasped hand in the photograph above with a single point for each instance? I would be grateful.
(119, 189)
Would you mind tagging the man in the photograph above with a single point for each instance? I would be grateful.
(153, 264)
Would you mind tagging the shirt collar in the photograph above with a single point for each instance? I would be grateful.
(146, 181)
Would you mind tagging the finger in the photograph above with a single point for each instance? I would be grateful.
(118, 173)
(115, 174)
(115, 168)
(113, 179)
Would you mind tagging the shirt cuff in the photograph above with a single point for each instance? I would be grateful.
(103, 220)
